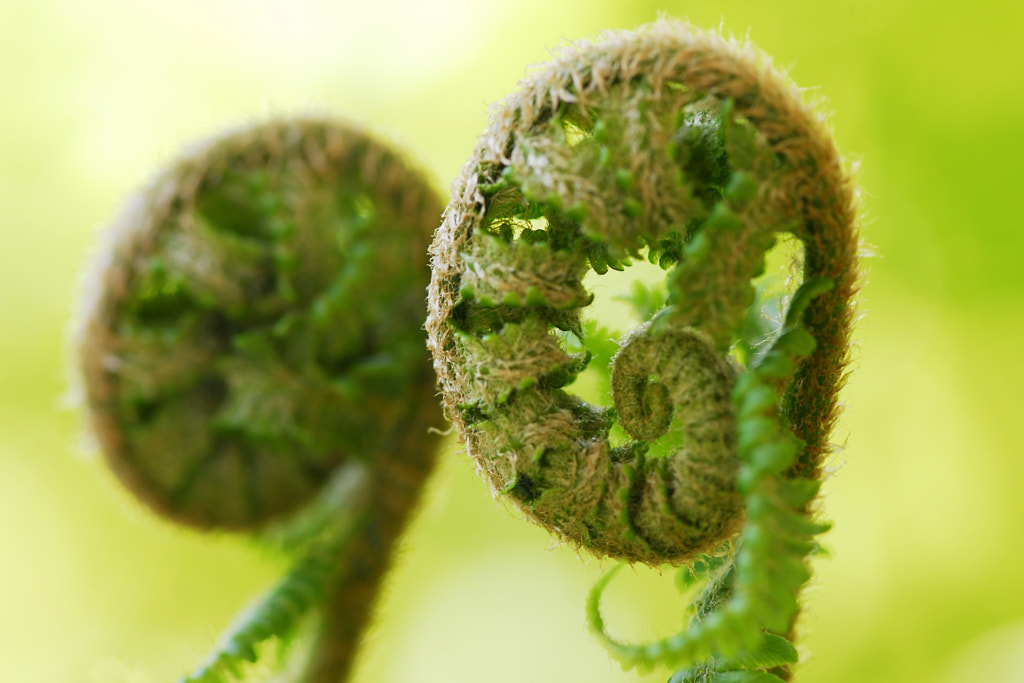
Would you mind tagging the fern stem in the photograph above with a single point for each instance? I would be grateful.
(395, 486)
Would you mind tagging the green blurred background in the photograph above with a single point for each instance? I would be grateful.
(925, 581)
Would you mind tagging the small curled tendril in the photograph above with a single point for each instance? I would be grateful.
(252, 357)
(678, 146)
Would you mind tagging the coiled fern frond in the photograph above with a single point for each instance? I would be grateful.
(252, 356)
(676, 146)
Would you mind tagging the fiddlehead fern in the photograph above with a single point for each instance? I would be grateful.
(252, 332)
(679, 146)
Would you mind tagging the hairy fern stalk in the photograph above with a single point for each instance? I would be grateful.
(677, 146)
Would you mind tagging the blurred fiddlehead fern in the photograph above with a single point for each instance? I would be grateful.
(252, 357)
(677, 146)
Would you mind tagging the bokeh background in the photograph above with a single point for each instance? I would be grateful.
(925, 580)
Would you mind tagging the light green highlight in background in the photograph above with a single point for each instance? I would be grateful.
(926, 576)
